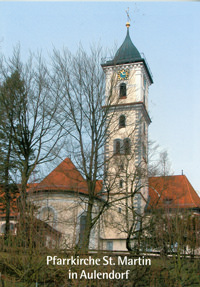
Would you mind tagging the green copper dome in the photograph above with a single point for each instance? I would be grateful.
(127, 53)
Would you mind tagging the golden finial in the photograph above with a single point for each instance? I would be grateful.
(128, 18)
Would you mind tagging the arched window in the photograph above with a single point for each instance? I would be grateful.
(122, 90)
(127, 146)
(122, 121)
(82, 228)
(121, 183)
(118, 146)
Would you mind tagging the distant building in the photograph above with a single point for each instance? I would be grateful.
(173, 193)
(61, 199)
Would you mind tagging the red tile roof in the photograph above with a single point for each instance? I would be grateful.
(168, 191)
(172, 192)
(64, 177)
(99, 185)
(13, 203)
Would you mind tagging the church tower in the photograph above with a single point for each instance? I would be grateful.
(128, 78)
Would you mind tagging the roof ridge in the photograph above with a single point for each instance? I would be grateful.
(189, 186)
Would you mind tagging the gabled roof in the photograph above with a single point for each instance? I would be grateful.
(65, 177)
(172, 192)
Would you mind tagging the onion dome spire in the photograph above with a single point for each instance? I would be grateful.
(127, 53)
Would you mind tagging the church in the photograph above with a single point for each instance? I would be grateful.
(61, 197)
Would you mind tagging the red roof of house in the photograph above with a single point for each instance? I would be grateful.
(166, 191)
(99, 185)
(64, 177)
(13, 203)
(14, 211)
(172, 192)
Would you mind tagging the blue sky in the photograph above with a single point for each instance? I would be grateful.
(166, 32)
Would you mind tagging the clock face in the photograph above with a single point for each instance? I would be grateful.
(123, 74)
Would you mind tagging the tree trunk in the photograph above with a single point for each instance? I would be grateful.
(89, 225)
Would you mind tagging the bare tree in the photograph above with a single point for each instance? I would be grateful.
(82, 90)
(159, 162)
(30, 108)
(91, 119)
(173, 231)
(133, 221)
(9, 90)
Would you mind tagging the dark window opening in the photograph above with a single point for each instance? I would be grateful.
(127, 146)
(121, 166)
(117, 146)
(122, 146)
(121, 183)
(122, 121)
(82, 228)
(122, 90)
